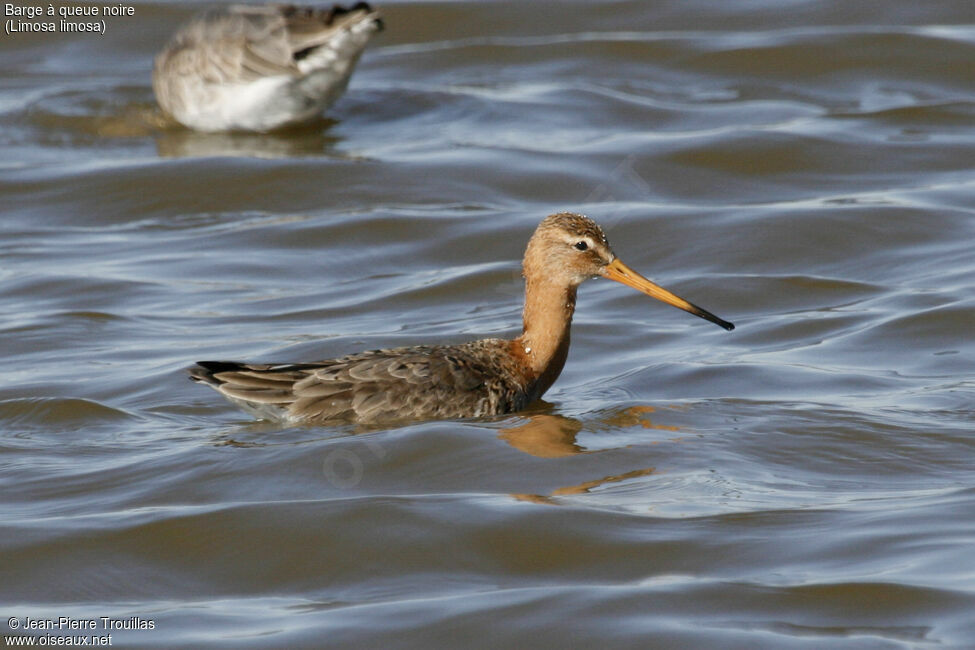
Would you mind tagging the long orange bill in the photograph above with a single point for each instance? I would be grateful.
(620, 272)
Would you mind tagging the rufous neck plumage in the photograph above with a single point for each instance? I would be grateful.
(545, 336)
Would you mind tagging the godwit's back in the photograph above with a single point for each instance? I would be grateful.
(259, 68)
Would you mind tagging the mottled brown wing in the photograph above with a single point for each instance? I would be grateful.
(379, 386)
(387, 385)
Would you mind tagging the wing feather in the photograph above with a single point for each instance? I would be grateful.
(382, 385)
(261, 396)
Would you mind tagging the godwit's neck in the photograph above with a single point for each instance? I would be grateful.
(545, 338)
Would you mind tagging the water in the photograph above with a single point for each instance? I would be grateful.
(803, 169)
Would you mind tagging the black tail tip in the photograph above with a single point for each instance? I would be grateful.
(205, 370)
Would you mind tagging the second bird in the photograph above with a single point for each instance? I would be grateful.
(260, 68)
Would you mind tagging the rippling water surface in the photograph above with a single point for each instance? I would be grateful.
(801, 168)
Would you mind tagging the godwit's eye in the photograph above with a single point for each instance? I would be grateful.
(581, 245)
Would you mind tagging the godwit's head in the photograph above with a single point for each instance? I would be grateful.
(568, 249)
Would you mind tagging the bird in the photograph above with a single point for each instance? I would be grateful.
(433, 382)
(260, 67)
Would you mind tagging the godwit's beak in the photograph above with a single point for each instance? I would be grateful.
(623, 274)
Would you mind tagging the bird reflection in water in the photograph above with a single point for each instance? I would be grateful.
(554, 436)
(307, 140)
(582, 488)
